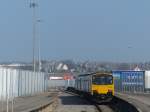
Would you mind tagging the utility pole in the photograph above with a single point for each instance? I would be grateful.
(33, 5)
(39, 50)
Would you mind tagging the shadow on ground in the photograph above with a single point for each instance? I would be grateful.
(73, 100)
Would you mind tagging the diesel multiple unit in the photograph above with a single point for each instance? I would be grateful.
(99, 85)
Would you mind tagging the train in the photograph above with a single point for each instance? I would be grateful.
(98, 85)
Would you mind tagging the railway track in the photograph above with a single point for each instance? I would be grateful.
(116, 105)
(99, 107)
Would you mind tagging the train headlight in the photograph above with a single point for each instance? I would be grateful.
(95, 92)
(109, 90)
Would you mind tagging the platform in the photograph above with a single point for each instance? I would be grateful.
(27, 104)
(141, 101)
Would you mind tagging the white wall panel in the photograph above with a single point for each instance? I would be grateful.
(147, 79)
(14, 83)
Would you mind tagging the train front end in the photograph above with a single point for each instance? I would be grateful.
(103, 86)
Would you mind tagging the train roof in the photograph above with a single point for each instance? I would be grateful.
(95, 73)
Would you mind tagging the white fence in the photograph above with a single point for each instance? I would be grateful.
(60, 83)
(14, 83)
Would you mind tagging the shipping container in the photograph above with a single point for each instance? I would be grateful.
(147, 80)
(129, 81)
(117, 80)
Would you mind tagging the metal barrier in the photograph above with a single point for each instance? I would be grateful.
(61, 83)
(14, 83)
(56, 83)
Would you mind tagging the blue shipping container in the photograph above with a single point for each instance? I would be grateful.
(129, 80)
(117, 80)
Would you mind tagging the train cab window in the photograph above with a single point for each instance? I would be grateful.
(102, 80)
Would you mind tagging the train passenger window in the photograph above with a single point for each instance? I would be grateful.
(102, 80)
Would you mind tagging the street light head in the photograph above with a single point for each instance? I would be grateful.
(39, 20)
(33, 5)
(129, 47)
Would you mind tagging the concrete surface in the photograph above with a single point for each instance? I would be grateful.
(73, 103)
(25, 104)
(141, 101)
(70, 103)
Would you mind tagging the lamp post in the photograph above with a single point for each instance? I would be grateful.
(33, 5)
(39, 49)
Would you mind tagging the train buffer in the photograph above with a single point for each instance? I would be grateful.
(140, 100)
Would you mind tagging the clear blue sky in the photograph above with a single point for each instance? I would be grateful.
(104, 30)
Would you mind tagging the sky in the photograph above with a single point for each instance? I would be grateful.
(98, 30)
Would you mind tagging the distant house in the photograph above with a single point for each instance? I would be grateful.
(137, 68)
(62, 66)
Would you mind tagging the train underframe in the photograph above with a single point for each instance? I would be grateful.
(103, 97)
(100, 98)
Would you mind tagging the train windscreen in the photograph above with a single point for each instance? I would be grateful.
(102, 80)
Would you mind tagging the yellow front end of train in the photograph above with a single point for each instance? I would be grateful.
(103, 86)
